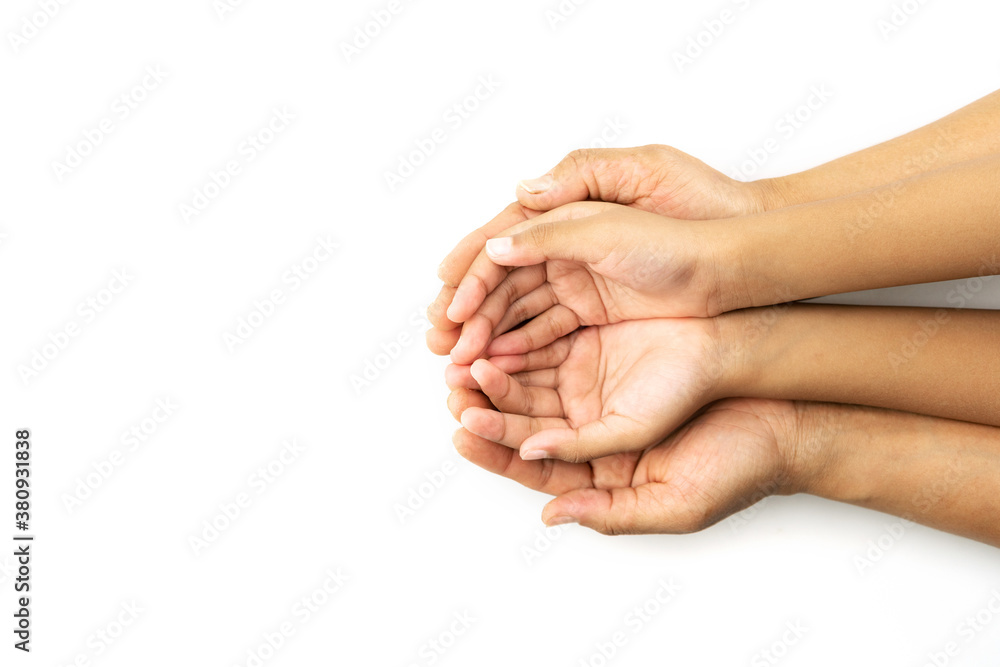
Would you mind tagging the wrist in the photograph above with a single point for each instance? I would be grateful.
(767, 194)
(735, 367)
(757, 346)
(812, 447)
(724, 258)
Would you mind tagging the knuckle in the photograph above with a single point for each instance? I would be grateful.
(518, 311)
(508, 290)
(527, 402)
(572, 455)
(504, 391)
(578, 156)
(554, 327)
(527, 338)
(541, 234)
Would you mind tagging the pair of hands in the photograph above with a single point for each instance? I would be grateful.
(596, 415)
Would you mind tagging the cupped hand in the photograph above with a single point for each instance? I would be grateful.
(729, 456)
(657, 179)
(599, 391)
(586, 264)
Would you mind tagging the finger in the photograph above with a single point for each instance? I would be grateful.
(528, 306)
(552, 477)
(537, 368)
(622, 511)
(460, 400)
(611, 434)
(505, 429)
(511, 397)
(477, 332)
(437, 311)
(546, 328)
(549, 356)
(587, 240)
(484, 274)
(620, 175)
(548, 377)
(457, 263)
(458, 376)
(442, 342)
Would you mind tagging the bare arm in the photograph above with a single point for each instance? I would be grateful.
(941, 473)
(971, 132)
(943, 225)
(944, 363)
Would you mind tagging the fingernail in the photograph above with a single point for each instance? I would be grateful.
(440, 272)
(452, 309)
(535, 186)
(534, 455)
(499, 247)
(560, 520)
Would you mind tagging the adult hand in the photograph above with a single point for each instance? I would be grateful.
(592, 263)
(657, 179)
(733, 454)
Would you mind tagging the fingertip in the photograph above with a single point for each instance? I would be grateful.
(437, 311)
(454, 406)
(441, 342)
(550, 442)
(461, 441)
(480, 421)
(475, 336)
(443, 273)
(457, 376)
(559, 511)
(457, 309)
(499, 248)
(535, 186)
(480, 369)
(502, 346)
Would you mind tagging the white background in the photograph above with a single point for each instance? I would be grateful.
(476, 545)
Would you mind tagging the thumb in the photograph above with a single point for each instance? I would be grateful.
(601, 174)
(611, 434)
(581, 240)
(621, 511)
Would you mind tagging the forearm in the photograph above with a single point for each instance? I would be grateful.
(944, 363)
(939, 226)
(938, 472)
(969, 133)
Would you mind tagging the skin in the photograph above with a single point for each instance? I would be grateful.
(663, 180)
(933, 471)
(602, 390)
(622, 387)
(603, 263)
(968, 134)
(904, 189)
(614, 264)
(656, 179)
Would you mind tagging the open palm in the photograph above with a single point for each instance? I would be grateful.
(598, 391)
